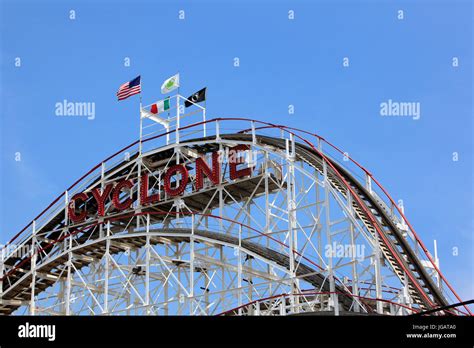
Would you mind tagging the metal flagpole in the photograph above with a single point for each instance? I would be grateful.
(177, 113)
(177, 141)
(141, 121)
(139, 158)
(204, 114)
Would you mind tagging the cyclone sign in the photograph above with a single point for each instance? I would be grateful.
(175, 180)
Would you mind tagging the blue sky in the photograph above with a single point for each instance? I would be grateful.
(282, 62)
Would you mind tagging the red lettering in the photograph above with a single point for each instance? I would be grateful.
(174, 182)
(71, 208)
(203, 169)
(144, 198)
(116, 195)
(235, 160)
(101, 197)
(180, 184)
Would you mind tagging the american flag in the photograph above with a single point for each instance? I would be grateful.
(129, 88)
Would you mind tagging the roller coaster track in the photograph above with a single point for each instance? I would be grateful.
(88, 252)
(369, 209)
(394, 246)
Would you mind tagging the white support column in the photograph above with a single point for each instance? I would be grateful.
(318, 208)
(107, 270)
(191, 267)
(332, 285)
(68, 242)
(166, 290)
(33, 269)
(177, 200)
(250, 264)
(267, 200)
(239, 272)
(319, 229)
(378, 275)
(147, 266)
(102, 186)
(139, 174)
(291, 206)
(267, 209)
(355, 276)
(180, 296)
(222, 260)
(221, 198)
(282, 306)
(128, 296)
(206, 293)
(69, 277)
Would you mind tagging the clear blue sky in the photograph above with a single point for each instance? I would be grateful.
(282, 62)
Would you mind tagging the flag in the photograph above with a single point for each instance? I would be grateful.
(160, 106)
(129, 88)
(170, 84)
(197, 97)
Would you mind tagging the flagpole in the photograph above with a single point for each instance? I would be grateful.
(177, 112)
(204, 115)
(177, 139)
(139, 164)
(141, 121)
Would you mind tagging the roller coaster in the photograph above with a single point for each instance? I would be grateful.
(165, 226)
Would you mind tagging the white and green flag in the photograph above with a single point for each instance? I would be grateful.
(170, 84)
